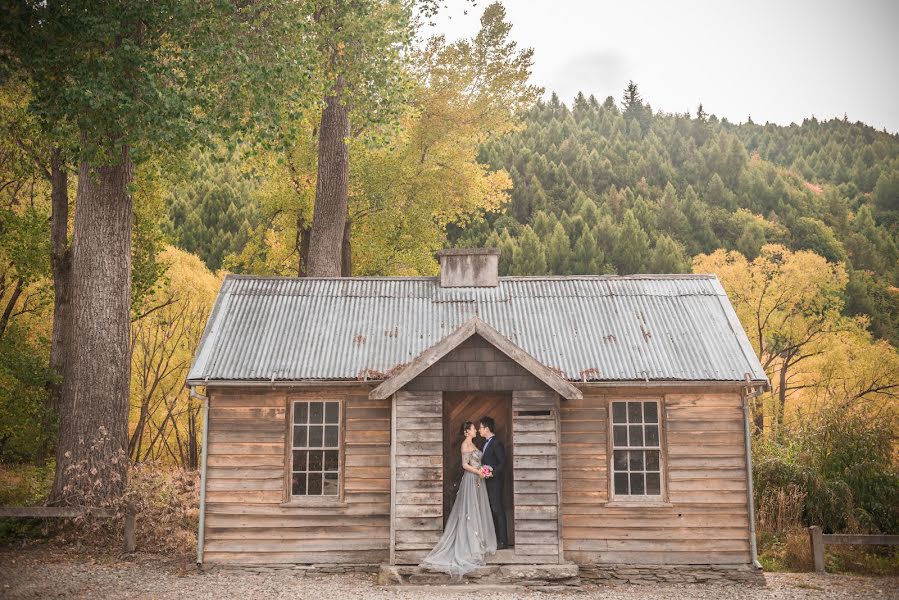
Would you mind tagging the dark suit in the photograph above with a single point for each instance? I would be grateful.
(495, 456)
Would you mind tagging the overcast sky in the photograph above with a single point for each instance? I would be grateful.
(778, 61)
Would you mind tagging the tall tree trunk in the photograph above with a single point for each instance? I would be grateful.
(61, 267)
(780, 409)
(61, 264)
(346, 252)
(758, 416)
(331, 189)
(92, 459)
(301, 242)
(193, 446)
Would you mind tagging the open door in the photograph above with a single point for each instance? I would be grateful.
(459, 407)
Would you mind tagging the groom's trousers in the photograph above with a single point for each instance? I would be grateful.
(495, 495)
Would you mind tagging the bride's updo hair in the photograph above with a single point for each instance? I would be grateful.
(465, 427)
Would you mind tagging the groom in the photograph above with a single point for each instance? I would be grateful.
(494, 455)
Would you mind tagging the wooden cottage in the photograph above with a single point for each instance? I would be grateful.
(333, 407)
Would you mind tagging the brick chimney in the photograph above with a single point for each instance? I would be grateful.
(469, 267)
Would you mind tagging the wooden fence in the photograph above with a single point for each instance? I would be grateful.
(819, 539)
(49, 512)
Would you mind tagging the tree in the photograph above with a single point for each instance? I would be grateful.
(587, 258)
(632, 253)
(115, 84)
(558, 251)
(361, 45)
(668, 257)
(529, 256)
(163, 342)
(790, 303)
(212, 212)
(425, 177)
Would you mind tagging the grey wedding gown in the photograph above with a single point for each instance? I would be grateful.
(468, 537)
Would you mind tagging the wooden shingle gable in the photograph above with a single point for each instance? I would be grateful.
(475, 326)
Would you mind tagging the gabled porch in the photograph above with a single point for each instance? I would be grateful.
(474, 370)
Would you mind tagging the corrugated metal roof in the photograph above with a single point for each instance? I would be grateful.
(658, 327)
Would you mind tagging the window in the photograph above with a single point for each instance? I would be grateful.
(636, 450)
(315, 451)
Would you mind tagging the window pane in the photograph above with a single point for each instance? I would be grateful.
(299, 436)
(331, 436)
(330, 485)
(300, 412)
(650, 412)
(621, 484)
(652, 435)
(299, 460)
(653, 484)
(636, 461)
(315, 484)
(298, 484)
(633, 412)
(331, 412)
(636, 435)
(620, 434)
(315, 436)
(316, 412)
(636, 484)
(331, 460)
(316, 461)
(619, 410)
(621, 460)
(652, 460)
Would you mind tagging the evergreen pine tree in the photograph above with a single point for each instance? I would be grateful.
(558, 251)
(632, 253)
(668, 257)
(529, 256)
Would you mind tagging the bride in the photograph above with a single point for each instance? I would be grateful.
(468, 536)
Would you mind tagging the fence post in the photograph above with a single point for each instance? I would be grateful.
(130, 544)
(817, 543)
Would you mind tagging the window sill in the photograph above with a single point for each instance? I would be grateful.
(314, 503)
(620, 502)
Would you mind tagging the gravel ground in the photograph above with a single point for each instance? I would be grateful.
(37, 573)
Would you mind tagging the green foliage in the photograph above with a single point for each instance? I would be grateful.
(152, 76)
(24, 416)
(842, 461)
(639, 181)
(212, 212)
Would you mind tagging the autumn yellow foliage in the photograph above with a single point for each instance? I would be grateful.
(791, 305)
(165, 420)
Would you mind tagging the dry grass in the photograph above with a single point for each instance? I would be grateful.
(165, 498)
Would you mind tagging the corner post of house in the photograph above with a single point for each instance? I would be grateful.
(393, 479)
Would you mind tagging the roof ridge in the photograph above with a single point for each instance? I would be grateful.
(636, 277)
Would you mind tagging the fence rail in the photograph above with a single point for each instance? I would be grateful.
(818, 539)
(45, 512)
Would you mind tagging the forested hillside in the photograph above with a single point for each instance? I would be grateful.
(616, 188)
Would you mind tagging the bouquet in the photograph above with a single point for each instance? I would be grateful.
(486, 471)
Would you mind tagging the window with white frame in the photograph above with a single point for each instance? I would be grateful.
(315, 448)
(636, 449)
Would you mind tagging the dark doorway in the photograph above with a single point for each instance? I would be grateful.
(459, 407)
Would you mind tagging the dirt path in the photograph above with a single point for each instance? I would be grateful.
(36, 573)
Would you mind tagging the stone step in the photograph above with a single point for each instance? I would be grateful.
(531, 576)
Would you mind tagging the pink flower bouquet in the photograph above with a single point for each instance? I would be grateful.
(486, 471)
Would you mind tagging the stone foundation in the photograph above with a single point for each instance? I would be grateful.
(643, 574)
(299, 570)
(543, 577)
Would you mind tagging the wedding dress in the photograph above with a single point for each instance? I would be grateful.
(468, 536)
